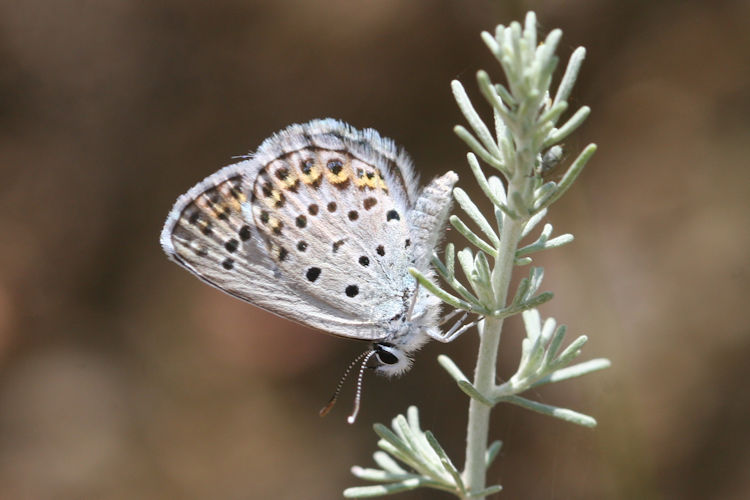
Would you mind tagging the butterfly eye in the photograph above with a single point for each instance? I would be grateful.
(394, 361)
(382, 351)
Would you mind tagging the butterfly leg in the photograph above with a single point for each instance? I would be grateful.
(455, 331)
(449, 316)
(458, 328)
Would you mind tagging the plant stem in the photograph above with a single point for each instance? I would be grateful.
(524, 136)
(475, 470)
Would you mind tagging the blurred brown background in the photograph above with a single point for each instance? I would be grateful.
(122, 376)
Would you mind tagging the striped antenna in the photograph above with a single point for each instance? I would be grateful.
(351, 418)
(327, 408)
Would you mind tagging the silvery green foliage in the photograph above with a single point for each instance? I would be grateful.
(521, 147)
(429, 466)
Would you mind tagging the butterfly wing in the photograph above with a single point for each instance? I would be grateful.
(314, 227)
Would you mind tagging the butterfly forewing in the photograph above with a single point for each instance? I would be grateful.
(205, 230)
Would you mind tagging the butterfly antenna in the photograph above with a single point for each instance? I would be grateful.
(351, 418)
(324, 411)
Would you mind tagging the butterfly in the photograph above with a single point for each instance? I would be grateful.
(320, 226)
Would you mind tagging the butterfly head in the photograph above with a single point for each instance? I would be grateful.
(392, 359)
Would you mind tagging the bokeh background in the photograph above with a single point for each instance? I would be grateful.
(122, 376)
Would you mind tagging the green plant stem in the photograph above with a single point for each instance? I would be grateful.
(485, 372)
(524, 135)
